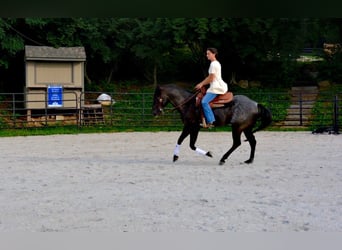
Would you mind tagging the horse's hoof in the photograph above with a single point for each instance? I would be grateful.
(249, 161)
(221, 162)
(175, 158)
(209, 154)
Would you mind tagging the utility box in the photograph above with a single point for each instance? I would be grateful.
(58, 71)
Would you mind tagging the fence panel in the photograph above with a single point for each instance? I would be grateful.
(134, 110)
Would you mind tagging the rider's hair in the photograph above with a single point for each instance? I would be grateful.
(213, 50)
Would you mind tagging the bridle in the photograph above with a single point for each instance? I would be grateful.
(160, 106)
(179, 105)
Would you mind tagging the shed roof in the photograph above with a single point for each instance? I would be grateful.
(46, 53)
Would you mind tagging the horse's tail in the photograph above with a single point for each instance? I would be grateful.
(265, 117)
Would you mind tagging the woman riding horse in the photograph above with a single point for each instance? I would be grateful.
(242, 114)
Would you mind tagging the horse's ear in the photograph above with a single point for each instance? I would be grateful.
(158, 89)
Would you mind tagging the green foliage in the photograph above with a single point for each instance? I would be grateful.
(10, 43)
(275, 98)
(331, 69)
(163, 49)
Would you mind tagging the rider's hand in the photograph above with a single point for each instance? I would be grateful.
(198, 86)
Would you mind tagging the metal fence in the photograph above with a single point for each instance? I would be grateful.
(133, 110)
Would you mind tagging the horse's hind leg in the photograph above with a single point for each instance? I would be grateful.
(236, 143)
(252, 142)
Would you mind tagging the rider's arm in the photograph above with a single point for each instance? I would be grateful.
(206, 81)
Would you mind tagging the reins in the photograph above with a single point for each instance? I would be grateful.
(185, 101)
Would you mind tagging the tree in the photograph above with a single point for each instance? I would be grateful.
(157, 48)
(10, 42)
(153, 44)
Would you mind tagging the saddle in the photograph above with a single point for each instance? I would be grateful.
(219, 101)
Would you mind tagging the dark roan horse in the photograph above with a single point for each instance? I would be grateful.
(242, 114)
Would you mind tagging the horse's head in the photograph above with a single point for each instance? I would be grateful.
(160, 100)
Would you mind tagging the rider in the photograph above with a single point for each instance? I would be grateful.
(217, 86)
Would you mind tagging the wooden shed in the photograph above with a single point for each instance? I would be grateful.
(49, 68)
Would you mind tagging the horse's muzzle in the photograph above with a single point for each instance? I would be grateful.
(157, 112)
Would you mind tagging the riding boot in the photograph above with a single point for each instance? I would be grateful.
(209, 125)
(204, 123)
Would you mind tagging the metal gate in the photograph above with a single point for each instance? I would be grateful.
(133, 110)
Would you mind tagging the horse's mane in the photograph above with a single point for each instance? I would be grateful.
(181, 90)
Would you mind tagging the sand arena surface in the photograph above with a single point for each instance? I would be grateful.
(127, 182)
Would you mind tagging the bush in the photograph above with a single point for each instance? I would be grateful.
(331, 69)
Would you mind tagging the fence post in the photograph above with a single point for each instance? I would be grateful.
(300, 109)
(45, 105)
(111, 108)
(13, 110)
(335, 126)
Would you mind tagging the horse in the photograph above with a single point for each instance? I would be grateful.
(242, 113)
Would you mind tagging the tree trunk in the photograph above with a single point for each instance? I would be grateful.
(233, 80)
(109, 79)
(113, 70)
(155, 82)
(86, 75)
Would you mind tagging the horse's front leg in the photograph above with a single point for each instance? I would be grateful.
(191, 130)
(184, 134)
(193, 138)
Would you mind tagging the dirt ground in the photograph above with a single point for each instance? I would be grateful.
(127, 182)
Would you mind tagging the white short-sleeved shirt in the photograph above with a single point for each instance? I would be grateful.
(218, 86)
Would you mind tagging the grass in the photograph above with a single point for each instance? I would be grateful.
(323, 110)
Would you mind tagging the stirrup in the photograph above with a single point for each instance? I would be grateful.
(207, 125)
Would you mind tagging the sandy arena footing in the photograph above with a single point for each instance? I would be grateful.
(127, 182)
